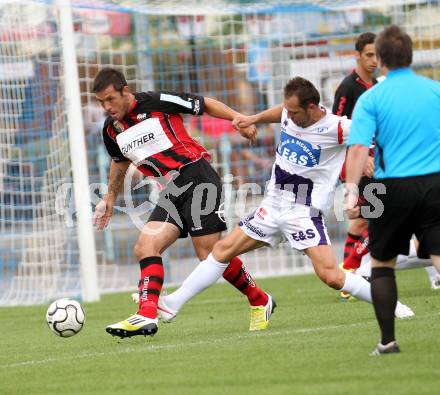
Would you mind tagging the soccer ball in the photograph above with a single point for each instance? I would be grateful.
(65, 317)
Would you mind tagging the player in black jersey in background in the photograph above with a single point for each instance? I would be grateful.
(360, 79)
(348, 92)
(146, 129)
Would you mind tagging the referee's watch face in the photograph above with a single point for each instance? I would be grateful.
(115, 103)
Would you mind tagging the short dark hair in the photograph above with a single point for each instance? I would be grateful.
(363, 40)
(109, 76)
(304, 90)
(394, 47)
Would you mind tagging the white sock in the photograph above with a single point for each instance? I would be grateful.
(203, 276)
(365, 269)
(432, 273)
(358, 287)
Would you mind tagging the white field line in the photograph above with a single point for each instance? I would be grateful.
(158, 347)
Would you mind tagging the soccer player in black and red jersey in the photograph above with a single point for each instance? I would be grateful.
(348, 92)
(146, 129)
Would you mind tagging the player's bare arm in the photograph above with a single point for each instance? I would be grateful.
(104, 209)
(357, 158)
(271, 115)
(369, 168)
(218, 109)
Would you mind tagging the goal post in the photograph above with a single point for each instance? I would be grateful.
(43, 160)
(78, 154)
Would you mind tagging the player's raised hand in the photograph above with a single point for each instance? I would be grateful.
(102, 214)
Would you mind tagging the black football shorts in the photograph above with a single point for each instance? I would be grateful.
(411, 207)
(192, 201)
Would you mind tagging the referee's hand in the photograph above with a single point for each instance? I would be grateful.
(102, 214)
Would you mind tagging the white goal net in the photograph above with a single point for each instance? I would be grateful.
(240, 52)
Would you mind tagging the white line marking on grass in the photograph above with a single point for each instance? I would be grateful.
(158, 347)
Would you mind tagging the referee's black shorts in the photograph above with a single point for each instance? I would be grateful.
(192, 201)
(411, 206)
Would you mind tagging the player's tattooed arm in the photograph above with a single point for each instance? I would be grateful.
(116, 178)
(104, 209)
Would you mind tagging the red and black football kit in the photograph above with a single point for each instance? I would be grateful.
(348, 93)
(153, 137)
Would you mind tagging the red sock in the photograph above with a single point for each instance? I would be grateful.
(360, 248)
(150, 285)
(350, 241)
(240, 278)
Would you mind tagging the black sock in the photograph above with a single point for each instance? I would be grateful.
(384, 295)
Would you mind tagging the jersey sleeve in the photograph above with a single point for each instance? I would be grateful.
(345, 127)
(363, 126)
(342, 105)
(111, 146)
(177, 103)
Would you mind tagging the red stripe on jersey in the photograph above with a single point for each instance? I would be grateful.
(133, 105)
(146, 172)
(341, 105)
(170, 134)
(170, 162)
(187, 141)
(183, 144)
(340, 133)
(133, 118)
(125, 124)
(111, 132)
(184, 148)
(363, 83)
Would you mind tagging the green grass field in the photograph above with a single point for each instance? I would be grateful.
(315, 345)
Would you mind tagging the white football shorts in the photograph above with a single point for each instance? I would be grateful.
(270, 222)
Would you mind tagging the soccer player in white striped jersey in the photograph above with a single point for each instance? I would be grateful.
(308, 161)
